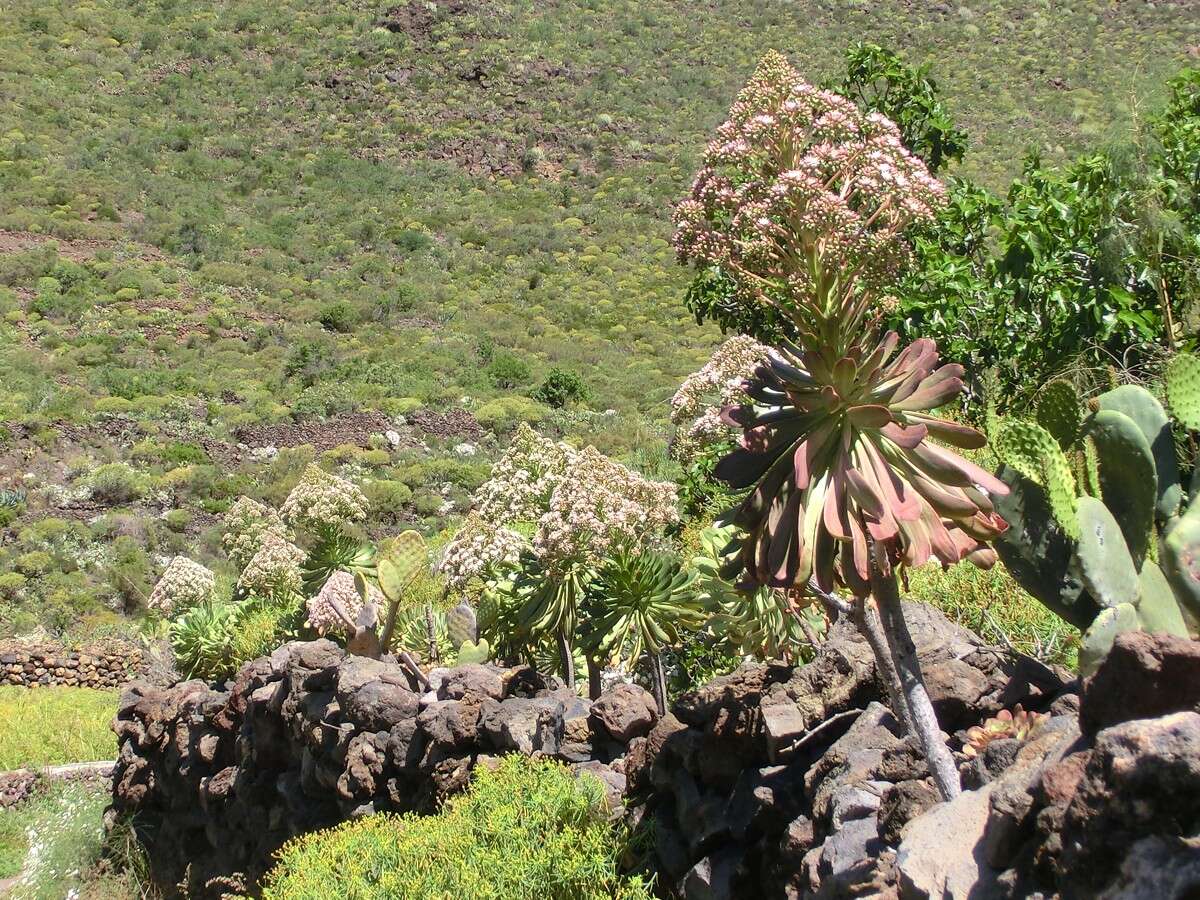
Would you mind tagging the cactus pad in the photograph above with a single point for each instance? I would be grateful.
(1058, 411)
(1038, 554)
(1032, 450)
(471, 652)
(1157, 608)
(461, 625)
(403, 559)
(1181, 560)
(1127, 475)
(1099, 637)
(1183, 389)
(1140, 405)
(1102, 557)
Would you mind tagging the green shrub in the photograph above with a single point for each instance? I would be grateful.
(202, 638)
(505, 413)
(11, 584)
(508, 370)
(34, 563)
(387, 500)
(529, 829)
(559, 388)
(340, 317)
(116, 483)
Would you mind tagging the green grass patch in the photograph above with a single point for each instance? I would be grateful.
(994, 606)
(54, 725)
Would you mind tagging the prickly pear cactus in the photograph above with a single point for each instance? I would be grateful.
(1105, 565)
(461, 624)
(1147, 413)
(1099, 637)
(1127, 476)
(470, 652)
(402, 561)
(1183, 389)
(1032, 450)
(1181, 560)
(1058, 412)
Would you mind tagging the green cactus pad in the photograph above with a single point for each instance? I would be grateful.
(1091, 469)
(461, 624)
(1102, 557)
(1128, 478)
(1098, 638)
(402, 561)
(474, 652)
(1157, 608)
(1140, 405)
(1183, 389)
(1038, 554)
(1031, 450)
(1180, 560)
(1058, 411)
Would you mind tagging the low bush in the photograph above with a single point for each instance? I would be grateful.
(561, 388)
(528, 829)
(53, 725)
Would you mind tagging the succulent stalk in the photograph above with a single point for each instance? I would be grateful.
(802, 202)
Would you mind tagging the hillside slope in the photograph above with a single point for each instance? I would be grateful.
(237, 226)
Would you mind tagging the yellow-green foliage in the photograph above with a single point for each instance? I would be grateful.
(528, 830)
(53, 725)
(992, 604)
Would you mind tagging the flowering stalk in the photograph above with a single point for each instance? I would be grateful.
(803, 202)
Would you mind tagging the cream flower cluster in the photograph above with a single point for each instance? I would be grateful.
(247, 523)
(320, 499)
(598, 504)
(479, 546)
(579, 502)
(274, 569)
(803, 199)
(523, 479)
(339, 591)
(183, 584)
(696, 406)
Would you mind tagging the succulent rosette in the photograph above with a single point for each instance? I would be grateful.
(839, 454)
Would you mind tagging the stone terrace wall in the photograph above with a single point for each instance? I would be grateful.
(107, 665)
(218, 780)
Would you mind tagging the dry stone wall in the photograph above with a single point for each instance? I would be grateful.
(39, 665)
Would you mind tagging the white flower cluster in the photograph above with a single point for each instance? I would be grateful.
(274, 569)
(247, 524)
(321, 499)
(523, 479)
(478, 547)
(696, 406)
(579, 502)
(184, 583)
(597, 505)
(339, 592)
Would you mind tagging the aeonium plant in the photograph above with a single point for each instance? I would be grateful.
(802, 202)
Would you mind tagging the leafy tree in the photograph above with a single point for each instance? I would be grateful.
(879, 80)
(561, 388)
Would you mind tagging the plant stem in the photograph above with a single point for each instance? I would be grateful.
(566, 659)
(431, 634)
(868, 624)
(385, 639)
(904, 657)
(659, 673)
(594, 683)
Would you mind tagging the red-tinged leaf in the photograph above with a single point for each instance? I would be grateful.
(982, 558)
(865, 493)
(869, 416)
(902, 503)
(917, 549)
(940, 540)
(962, 436)
(824, 554)
(809, 457)
(906, 436)
(882, 352)
(860, 551)
(944, 465)
(844, 372)
(919, 357)
(950, 502)
(834, 515)
(784, 556)
(930, 394)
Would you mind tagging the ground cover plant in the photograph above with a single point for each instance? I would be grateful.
(523, 829)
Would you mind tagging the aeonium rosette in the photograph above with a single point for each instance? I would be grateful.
(840, 455)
